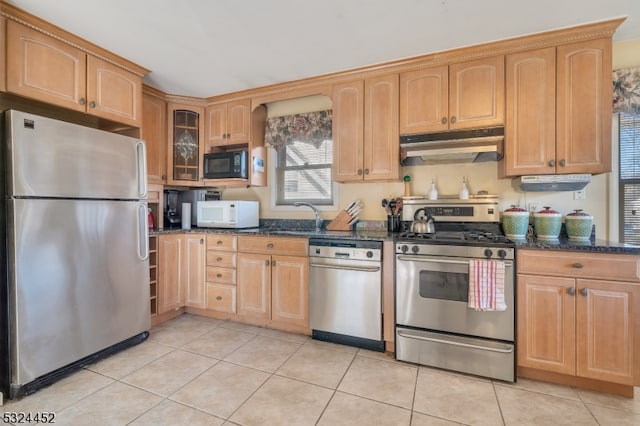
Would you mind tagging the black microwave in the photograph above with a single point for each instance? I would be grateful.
(225, 165)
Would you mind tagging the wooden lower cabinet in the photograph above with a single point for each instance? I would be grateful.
(273, 289)
(573, 321)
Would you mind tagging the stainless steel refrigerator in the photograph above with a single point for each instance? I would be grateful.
(76, 248)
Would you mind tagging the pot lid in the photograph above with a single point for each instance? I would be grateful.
(514, 208)
(547, 210)
(578, 212)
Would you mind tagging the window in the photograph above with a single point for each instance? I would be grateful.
(629, 178)
(304, 153)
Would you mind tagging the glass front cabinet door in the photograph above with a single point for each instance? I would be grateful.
(184, 151)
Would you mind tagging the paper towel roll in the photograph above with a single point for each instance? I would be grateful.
(186, 215)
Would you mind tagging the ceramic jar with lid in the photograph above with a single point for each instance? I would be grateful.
(547, 224)
(578, 225)
(515, 223)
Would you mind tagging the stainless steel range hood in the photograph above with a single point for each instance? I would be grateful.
(463, 146)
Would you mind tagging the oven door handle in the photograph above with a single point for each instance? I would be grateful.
(426, 259)
(344, 267)
(448, 342)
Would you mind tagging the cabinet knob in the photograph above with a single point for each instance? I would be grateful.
(266, 262)
(269, 245)
(366, 171)
(444, 120)
(219, 275)
(359, 172)
(453, 119)
(92, 104)
(571, 291)
(273, 263)
(218, 298)
(584, 291)
(219, 259)
(563, 163)
(164, 177)
(552, 163)
(219, 242)
(201, 241)
(577, 265)
(83, 101)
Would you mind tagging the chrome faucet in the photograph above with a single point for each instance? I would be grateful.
(315, 210)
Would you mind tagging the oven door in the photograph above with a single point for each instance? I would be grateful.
(432, 293)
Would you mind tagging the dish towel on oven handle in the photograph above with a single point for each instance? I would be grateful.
(486, 285)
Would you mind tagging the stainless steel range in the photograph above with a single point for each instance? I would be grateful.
(434, 325)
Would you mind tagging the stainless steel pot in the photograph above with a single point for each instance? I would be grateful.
(422, 224)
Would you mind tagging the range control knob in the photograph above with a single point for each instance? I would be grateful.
(404, 248)
(369, 254)
(502, 254)
(415, 249)
(488, 253)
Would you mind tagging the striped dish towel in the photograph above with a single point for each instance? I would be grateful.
(486, 285)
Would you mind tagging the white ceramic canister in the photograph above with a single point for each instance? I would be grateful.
(547, 224)
(515, 223)
(578, 225)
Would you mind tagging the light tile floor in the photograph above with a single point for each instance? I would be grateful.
(200, 371)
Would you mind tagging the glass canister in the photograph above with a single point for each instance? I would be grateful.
(515, 223)
(578, 225)
(547, 224)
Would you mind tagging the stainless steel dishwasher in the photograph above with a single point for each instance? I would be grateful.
(345, 295)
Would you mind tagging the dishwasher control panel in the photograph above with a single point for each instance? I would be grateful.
(346, 249)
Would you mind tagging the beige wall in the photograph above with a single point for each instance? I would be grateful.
(483, 176)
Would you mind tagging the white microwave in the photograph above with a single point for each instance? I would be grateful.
(228, 214)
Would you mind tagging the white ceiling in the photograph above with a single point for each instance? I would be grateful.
(208, 47)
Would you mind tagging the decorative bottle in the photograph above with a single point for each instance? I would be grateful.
(464, 192)
(433, 193)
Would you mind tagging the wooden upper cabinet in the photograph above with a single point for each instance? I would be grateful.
(154, 133)
(462, 95)
(365, 130)
(228, 123)
(54, 71)
(584, 100)
(530, 132)
(559, 102)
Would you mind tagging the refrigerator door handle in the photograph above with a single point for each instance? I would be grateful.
(141, 156)
(143, 232)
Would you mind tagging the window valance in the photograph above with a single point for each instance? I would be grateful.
(626, 90)
(311, 127)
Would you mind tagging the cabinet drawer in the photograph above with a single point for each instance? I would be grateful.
(221, 298)
(273, 245)
(221, 259)
(221, 275)
(615, 267)
(222, 242)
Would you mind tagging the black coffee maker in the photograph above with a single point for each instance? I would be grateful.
(171, 212)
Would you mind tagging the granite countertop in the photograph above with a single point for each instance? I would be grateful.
(305, 229)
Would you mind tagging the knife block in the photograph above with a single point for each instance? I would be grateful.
(340, 222)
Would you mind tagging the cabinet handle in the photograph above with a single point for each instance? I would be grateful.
(571, 291)
(359, 172)
(219, 259)
(366, 171)
(584, 291)
(577, 265)
(273, 263)
(83, 101)
(219, 242)
(266, 262)
(219, 275)
(92, 104)
(218, 298)
(552, 163)
(444, 120)
(269, 245)
(563, 163)
(453, 119)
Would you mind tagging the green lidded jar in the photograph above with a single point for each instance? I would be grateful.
(578, 225)
(515, 223)
(547, 224)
